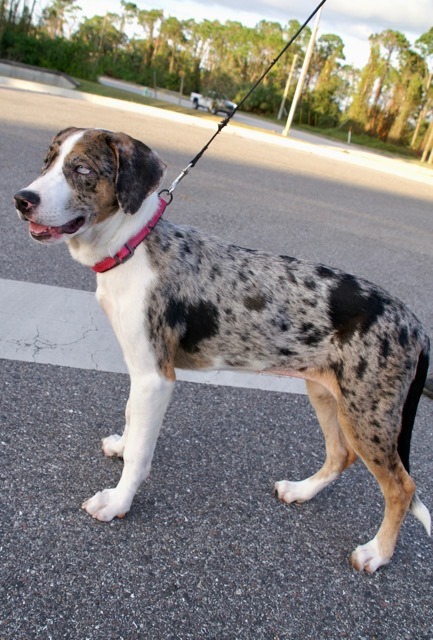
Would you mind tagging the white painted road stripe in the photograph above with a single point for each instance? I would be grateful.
(66, 327)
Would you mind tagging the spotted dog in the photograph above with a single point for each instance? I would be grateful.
(184, 299)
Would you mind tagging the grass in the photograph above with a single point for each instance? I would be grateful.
(364, 140)
(110, 92)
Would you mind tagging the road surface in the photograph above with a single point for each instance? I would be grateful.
(206, 552)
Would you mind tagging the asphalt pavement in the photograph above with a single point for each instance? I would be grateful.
(206, 552)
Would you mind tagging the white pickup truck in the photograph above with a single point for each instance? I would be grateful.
(212, 102)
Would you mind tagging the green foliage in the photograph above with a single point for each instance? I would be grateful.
(263, 100)
(388, 99)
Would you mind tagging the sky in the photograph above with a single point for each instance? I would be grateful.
(353, 20)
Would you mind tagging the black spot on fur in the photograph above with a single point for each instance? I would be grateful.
(403, 337)
(361, 368)
(306, 326)
(291, 276)
(392, 465)
(215, 271)
(288, 259)
(312, 338)
(325, 272)
(385, 348)
(309, 302)
(202, 321)
(175, 313)
(287, 352)
(351, 310)
(255, 303)
(376, 440)
(242, 276)
(195, 322)
(310, 284)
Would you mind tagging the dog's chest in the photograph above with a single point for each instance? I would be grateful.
(123, 294)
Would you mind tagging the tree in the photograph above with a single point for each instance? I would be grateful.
(149, 20)
(100, 35)
(406, 94)
(424, 44)
(55, 16)
(359, 108)
(9, 15)
(329, 85)
(391, 43)
(172, 36)
(129, 13)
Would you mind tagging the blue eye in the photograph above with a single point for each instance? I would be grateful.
(82, 169)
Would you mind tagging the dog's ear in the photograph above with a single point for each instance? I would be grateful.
(139, 170)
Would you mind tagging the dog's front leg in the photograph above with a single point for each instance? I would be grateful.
(148, 400)
(114, 445)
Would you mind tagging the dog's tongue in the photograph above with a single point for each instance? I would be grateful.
(37, 229)
(70, 227)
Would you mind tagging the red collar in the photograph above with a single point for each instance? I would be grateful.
(127, 251)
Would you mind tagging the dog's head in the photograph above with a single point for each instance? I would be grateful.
(88, 175)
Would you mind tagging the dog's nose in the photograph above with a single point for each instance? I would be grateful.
(25, 201)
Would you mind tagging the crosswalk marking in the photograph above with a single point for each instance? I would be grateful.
(66, 327)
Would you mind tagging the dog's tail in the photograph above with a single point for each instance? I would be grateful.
(420, 511)
(417, 507)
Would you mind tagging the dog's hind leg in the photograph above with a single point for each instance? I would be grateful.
(339, 455)
(398, 489)
(381, 458)
(383, 443)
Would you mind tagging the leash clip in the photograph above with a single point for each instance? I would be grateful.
(175, 182)
(169, 194)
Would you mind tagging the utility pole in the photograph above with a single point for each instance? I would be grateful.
(303, 74)
(287, 87)
(428, 146)
(424, 110)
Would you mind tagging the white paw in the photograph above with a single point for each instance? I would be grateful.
(106, 505)
(367, 557)
(292, 491)
(113, 446)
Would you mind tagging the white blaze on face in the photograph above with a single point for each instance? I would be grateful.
(53, 189)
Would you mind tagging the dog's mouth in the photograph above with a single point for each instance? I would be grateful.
(43, 232)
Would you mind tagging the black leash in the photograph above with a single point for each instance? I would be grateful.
(227, 119)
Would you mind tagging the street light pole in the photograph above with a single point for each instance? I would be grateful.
(302, 75)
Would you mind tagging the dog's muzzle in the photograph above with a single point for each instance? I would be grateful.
(26, 203)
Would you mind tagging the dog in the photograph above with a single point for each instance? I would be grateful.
(178, 298)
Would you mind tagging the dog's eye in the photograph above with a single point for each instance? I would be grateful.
(82, 169)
